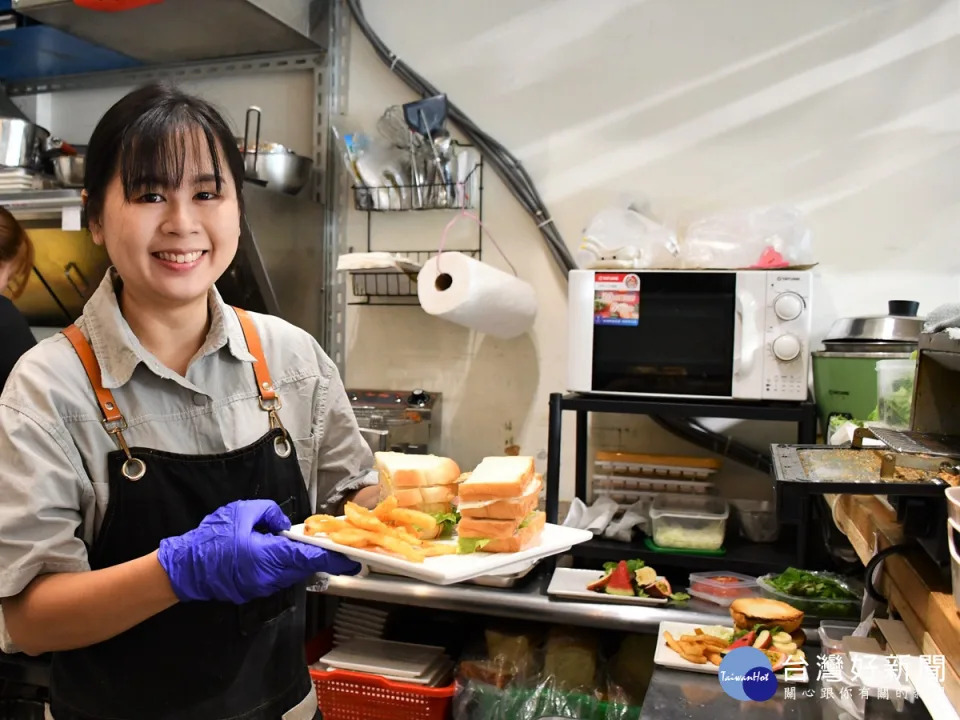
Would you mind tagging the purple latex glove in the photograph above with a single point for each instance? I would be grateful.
(225, 558)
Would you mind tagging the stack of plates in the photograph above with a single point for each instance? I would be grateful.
(13, 179)
(353, 620)
(399, 662)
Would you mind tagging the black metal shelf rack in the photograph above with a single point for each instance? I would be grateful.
(749, 556)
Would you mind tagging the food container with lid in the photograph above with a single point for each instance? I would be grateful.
(693, 522)
(895, 392)
(722, 588)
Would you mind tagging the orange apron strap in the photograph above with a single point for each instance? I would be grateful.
(111, 413)
(260, 370)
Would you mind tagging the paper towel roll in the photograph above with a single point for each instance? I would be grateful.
(476, 295)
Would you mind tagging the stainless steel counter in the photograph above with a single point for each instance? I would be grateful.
(678, 695)
(526, 601)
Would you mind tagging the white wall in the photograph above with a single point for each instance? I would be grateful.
(849, 109)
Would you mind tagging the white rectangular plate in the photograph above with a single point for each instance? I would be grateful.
(450, 569)
(571, 584)
(403, 660)
(668, 658)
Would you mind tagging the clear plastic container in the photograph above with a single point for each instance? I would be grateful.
(722, 588)
(758, 520)
(832, 635)
(815, 607)
(691, 522)
(895, 392)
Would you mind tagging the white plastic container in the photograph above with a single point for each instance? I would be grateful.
(895, 392)
(690, 522)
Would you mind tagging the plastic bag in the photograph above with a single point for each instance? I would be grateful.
(622, 236)
(763, 238)
(525, 675)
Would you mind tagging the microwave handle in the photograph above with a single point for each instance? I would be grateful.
(747, 334)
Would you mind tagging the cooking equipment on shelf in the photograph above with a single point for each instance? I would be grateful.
(400, 420)
(844, 373)
(716, 334)
(24, 144)
(897, 330)
(69, 169)
(273, 164)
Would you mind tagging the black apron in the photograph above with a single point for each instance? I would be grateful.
(195, 660)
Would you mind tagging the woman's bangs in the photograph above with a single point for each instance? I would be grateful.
(154, 152)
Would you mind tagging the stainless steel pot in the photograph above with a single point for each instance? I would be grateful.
(21, 143)
(69, 170)
(273, 164)
(26, 145)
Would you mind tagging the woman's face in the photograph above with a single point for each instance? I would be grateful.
(171, 244)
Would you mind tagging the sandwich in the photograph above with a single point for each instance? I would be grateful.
(768, 625)
(426, 483)
(498, 506)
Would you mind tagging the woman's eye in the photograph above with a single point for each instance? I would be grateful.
(206, 195)
(150, 198)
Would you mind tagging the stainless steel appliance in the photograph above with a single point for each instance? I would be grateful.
(400, 420)
(708, 334)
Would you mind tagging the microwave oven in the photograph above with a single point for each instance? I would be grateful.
(739, 334)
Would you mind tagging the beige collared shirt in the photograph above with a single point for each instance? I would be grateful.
(54, 488)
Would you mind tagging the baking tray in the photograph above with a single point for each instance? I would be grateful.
(823, 469)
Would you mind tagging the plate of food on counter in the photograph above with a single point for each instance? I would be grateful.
(771, 626)
(442, 526)
(628, 582)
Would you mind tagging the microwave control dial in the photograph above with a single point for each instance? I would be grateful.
(787, 348)
(788, 306)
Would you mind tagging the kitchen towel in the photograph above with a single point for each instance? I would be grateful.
(455, 287)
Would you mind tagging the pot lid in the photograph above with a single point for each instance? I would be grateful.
(901, 325)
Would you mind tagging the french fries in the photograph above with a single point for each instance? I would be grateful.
(386, 528)
(699, 648)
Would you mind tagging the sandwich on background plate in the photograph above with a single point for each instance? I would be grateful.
(427, 483)
(498, 506)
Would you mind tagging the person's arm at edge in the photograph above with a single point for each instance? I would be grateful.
(64, 611)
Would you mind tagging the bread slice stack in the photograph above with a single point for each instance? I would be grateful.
(498, 506)
(427, 483)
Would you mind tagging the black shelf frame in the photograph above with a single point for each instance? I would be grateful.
(803, 413)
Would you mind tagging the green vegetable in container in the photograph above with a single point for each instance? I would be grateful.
(805, 584)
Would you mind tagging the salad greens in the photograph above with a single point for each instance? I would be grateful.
(801, 583)
(632, 566)
(465, 546)
(447, 522)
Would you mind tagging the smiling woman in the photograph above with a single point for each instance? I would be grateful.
(140, 449)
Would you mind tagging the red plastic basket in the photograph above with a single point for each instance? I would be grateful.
(344, 695)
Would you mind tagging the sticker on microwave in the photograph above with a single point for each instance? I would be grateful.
(616, 299)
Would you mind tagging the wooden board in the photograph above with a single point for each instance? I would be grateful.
(912, 583)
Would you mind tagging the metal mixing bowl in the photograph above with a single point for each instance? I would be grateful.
(283, 171)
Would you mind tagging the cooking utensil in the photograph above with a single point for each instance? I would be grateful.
(272, 163)
(24, 144)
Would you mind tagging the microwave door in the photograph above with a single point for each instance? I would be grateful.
(748, 335)
(680, 341)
